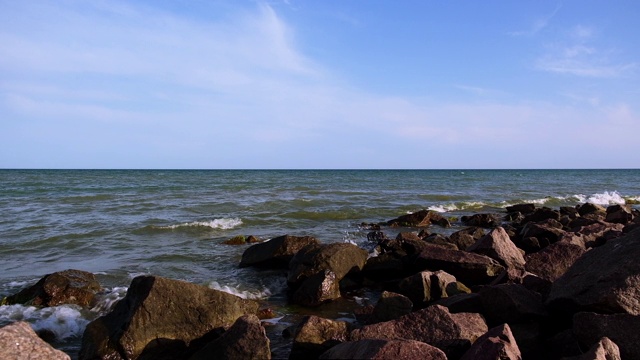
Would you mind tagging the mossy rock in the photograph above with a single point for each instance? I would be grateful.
(236, 240)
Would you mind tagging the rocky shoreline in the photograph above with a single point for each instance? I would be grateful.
(531, 283)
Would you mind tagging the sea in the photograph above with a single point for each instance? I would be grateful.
(119, 224)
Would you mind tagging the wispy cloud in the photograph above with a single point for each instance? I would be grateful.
(537, 25)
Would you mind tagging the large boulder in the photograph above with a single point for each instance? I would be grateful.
(553, 261)
(521, 208)
(623, 329)
(427, 286)
(245, 339)
(164, 319)
(466, 237)
(498, 246)
(317, 289)
(511, 303)
(497, 344)
(339, 258)
(469, 268)
(604, 279)
(605, 349)
(275, 253)
(380, 349)
(481, 220)
(65, 287)
(434, 325)
(315, 335)
(620, 214)
(422, 218)
(19, 341)
(391, 306)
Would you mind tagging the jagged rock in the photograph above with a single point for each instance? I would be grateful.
(380, 349)
(391, 306)
(19, 341)
(65, 287)
(466, 237)
(427, 286)
(521, 208)
(541, 214)
(422, 218)
(481, 220)
(498, 246)
(462, 303)
(497, 344)
(605, 349)
(622, 329)
(275, 253)
(384, 267)
(434, 325)
(339, 258)
(469, 268)
(604, 279)
(408, 236)
(548, 231)
(161, 318)
(245, 339)
(511, 303)
(317, 289)
(376, 236)
(553, 261)
(590, 208)
(594, 234)
(315, 335)
(242, 240)
(620, 214)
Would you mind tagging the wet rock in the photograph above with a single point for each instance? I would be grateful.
(481, 220)
(434, 325)
(315, 335)
(497, 344)
(469, 268)
(65, 287)
(376, 236)
(541, 214)
(317, 289)
(553, 261)
(339, 258)
(408, 236)
(427, 286)
(498, 246)
(384, 267)
(623, 329)
(384, 349)
(590, 208)
(19, 341)
(161, 318)
(549, 231)
(391, 306)
(605, 349)
(511, 303)
(275, 253)
(466, 237)
(422, 218)
(245, 339)
(521, 208)
(604, 279)
(440, 240)
(620, 214)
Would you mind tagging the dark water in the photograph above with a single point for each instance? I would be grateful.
(123, 223)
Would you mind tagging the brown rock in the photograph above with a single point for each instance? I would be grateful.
(622, 329)
(497, 344)
(161, 318)
(481, 220)
(522, 208)
(275, 253)
(391, 306)
(339, 258)
(384, 349)
(19, 341)
(317, 289)
(64, 287)
(541, 214)
(590, 208)
(620, 214)
(469, 268)
(422, 218)
(434, 325)
(427, 286)
(604, 279)
(511, 303)
(245, 339)
(498, 246)
(605, 349)
(549, 231)
(466, 237)
(315, 335)
(553, 261)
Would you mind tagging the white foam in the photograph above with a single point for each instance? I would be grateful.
(245, 294)
(443, 208)
(606, 198)
(108, 298)
(63, 321)
(223, 224)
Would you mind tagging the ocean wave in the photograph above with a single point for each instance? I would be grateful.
(106, 299)
(64, 321)
(215, 224)
(245, 294)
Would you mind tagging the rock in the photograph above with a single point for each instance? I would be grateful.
(498, 246)
(65, 287)
(605, 349)
(548, 231)
(317, 289)
(462, 303)
(622, 329)
(620, 214)
(590, 208)
(315, 335)
(593, 234)
(553, 261)
(481, 220)
(376, 236)
(541, 214)
(384, 267)
(440, 240)
(466, 237)
(511, 303)
(391, 306)
(245, 339)
(434, 325)
(384, 349)
(427, 286)
(521, 208)
(604, 279)
(242, 240)
(19, 341)
(339, 258)
(497, 344)
(422, 218)
(469, 268)
(275, 253)
(408, 236)
(162, 318)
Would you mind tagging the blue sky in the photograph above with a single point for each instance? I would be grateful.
(319, 84)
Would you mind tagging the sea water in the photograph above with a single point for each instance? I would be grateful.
(120, 224)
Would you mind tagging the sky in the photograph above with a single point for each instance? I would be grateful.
(352, 84)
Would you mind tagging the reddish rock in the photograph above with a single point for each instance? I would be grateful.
(620, 214)
(511, 303)
(64, 287)
(604, 279)
(521, 208)
(481, 220)
(498, 246)
(391, 306)
(245, 339)
(275, 253)
(384, 349)
(466, 237)
(553, 261)
(19, 341)
(317, 289)
(590, 208)
(548, 231)
(497, 344)
(384, 267)
(434, 325)
(541, 214)
(422, 218)
(315, 335)
(339, 258)
(623, 329)
(427, 286)
(593, 234)
(605, 349)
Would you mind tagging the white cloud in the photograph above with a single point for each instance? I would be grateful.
(537, 25)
